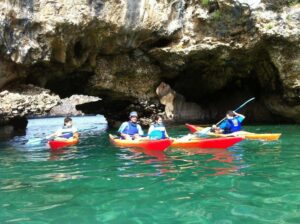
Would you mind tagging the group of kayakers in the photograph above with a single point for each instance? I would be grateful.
(132, 130)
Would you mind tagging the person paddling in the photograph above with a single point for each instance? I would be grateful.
(67, 131)
(131, 129)
(232, 123)
(157, 130)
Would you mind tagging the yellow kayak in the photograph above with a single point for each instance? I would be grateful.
(244, 134)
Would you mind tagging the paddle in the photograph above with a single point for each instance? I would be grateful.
(205, 130)
(30, 141)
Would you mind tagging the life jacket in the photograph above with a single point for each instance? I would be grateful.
(158, 132)
(131, 129)
(66, 132)
(232, 125)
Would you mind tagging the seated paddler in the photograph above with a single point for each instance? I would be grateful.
(131, 129)
(157, 130)
(231, 124)
(67, 130)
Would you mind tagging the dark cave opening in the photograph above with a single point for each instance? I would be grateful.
(73, 83)
(113, 108)
(78, 49)
(205, 89)
(160, 43)
(216, 96)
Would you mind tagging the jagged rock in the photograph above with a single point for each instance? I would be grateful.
(20, 102)
(176, 106)
(68, 105)
(23, 101)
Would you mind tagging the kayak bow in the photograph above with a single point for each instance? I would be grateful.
(62, 143)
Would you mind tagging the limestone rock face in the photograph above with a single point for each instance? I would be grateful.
(207, 52)
(68, 105)
(131, 76)
(26, 101)
(176, 106)
(22, 101)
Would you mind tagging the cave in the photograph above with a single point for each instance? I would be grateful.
(70, 84)
(218, 87)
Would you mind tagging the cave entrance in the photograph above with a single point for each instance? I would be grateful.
(73, 83)
(217, 91)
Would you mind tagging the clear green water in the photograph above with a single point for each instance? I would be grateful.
(95, 182)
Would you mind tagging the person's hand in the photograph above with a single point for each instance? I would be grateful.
(53, 135)
(127, 137)
(219, 130)
(214, 126)
(136, 136)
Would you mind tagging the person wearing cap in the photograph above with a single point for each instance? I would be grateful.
(232, 123)
(131, 129)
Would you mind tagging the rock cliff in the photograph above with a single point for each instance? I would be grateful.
(211, 55)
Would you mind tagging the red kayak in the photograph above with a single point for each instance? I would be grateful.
(62, 143)
(223, 142)
(193, 128)
(148, 144)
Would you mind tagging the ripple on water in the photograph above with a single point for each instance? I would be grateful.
(95, 182)
(256, 214)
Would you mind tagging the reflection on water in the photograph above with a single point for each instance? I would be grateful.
(217, 161)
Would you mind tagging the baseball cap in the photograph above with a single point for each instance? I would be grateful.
(133, 114)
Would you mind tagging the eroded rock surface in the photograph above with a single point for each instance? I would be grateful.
(26, 101)
(68, 105)
(208, 52)
(23, 101)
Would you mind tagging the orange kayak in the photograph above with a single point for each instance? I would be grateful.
(222, 143)
(62, 143)
(245, 134)
(148, 144)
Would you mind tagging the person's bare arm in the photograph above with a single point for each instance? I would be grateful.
(240, 115)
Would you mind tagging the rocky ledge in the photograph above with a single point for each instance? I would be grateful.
(23, 101)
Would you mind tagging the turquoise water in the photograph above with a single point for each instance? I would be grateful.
(95, 182)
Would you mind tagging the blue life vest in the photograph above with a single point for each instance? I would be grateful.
(131, 129)
(158, 132)
(232, 125)
(66, 132)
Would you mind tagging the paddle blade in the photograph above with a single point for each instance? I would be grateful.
(34, 141)
(187, 137)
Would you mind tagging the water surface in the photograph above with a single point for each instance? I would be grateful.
(95, 182)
